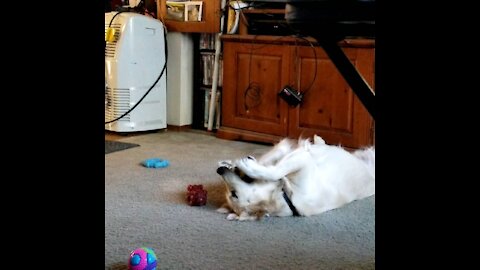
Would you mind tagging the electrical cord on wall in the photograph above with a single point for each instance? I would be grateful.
(315, 56)
(252, 94)
(253, 90)
(138, 9)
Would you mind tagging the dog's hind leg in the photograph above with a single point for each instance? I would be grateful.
(224, 209)
(242, 217)
(281, 149)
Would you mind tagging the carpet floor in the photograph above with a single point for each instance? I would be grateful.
(146, 207)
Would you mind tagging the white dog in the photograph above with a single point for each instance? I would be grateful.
(298, 178)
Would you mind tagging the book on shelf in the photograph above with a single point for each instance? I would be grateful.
(208, 65)
(207, 41)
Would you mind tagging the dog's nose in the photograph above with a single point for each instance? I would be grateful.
(221, 170)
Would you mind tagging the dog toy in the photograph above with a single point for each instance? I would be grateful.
(143, 258)
(155, 163)
(196, 195)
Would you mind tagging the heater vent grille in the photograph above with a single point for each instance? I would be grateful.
(117, 102)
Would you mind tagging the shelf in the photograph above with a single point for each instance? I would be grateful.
(204, 65)
(210, 19)
(258, 13)
(264, 11)
(291, 40)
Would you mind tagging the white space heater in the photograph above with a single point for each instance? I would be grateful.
(134, 59)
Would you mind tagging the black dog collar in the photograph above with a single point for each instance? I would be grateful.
(290, 204)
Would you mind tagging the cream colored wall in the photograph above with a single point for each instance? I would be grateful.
(179, 79)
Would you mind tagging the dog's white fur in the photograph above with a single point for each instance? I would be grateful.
(316, 177)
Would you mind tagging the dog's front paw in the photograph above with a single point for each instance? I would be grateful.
(248, 166)
(225, 163)
(244, 216)
(232, 216)
(256, 170)
(223, 210)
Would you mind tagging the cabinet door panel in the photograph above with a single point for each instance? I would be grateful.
(253, 75)
(330, 107)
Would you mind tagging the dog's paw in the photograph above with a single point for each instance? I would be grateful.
(232, 216)
(223, 210)
(255, 170)
(247, 165)
(226, 163)
(244, 216)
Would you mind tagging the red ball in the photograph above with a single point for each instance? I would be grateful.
(196, 195)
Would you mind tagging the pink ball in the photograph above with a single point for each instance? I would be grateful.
(142, 259)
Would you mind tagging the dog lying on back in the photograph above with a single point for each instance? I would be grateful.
(296, 178)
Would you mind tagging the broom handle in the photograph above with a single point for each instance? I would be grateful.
(213, 97)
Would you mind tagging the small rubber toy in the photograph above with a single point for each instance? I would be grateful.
(196, 195)
(156, 163)
(143, 258)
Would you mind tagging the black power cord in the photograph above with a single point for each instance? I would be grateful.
(138, 9)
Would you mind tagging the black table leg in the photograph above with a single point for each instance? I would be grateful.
(359, 86)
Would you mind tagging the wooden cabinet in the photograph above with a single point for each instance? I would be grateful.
(210, 23)
(252, 75)
(256, 68)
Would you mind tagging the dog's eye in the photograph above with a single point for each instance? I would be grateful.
(233, 194)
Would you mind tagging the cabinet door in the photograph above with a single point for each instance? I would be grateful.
(210, 23)
(330, 107)
(253, 74)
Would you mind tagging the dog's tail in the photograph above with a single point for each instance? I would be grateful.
(367, 155)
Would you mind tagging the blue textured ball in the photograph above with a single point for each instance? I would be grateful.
(143, 258)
